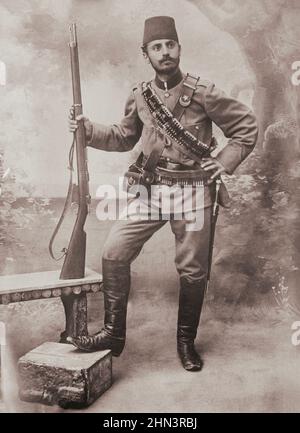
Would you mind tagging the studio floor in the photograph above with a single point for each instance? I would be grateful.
(250, 365)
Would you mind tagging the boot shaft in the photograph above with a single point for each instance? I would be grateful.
(116, 276)
(116, 287)
(191, 297)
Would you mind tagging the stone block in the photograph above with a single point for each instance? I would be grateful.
(56, 373)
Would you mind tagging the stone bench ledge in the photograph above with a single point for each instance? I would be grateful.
(43, 285)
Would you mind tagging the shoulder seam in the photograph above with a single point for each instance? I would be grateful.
(134, 86)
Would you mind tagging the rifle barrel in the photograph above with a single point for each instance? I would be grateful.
(73, 35)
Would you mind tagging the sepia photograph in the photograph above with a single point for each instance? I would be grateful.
(149, 209)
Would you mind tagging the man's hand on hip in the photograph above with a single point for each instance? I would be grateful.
(73, 124)
(212, 164)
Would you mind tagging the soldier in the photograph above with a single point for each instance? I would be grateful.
(175, 159)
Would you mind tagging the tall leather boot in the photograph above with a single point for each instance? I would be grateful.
(191, 298)
(116, 286)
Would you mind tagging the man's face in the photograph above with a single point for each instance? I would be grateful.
(164, 55)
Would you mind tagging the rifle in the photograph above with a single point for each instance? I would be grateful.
(74, 262)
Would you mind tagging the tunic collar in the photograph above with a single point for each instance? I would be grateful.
(172, 82)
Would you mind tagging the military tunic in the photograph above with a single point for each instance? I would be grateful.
(209, 104)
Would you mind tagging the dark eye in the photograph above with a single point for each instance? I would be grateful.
(156, 47)
(171, 44)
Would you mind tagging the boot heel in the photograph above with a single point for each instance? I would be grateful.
(117, 348)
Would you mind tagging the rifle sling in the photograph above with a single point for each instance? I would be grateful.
(66, 206)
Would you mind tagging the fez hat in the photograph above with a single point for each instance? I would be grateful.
(161, 27)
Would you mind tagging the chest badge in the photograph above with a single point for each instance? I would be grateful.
(185, 101)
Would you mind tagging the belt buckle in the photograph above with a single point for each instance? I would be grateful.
(173, 166)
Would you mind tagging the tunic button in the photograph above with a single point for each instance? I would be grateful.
(197, 127)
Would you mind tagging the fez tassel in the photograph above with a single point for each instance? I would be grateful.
(117, 423)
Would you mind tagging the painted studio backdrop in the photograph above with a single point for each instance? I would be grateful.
(251, 50)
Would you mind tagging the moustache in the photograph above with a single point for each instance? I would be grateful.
(167, 59)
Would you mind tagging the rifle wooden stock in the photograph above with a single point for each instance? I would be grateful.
(74, 263)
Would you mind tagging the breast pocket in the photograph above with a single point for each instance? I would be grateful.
(196, 129)
(199, 131)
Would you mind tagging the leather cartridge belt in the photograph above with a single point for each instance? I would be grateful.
(169, 172)
(183, 177)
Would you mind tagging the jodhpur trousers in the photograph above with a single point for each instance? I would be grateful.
(128, 236)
